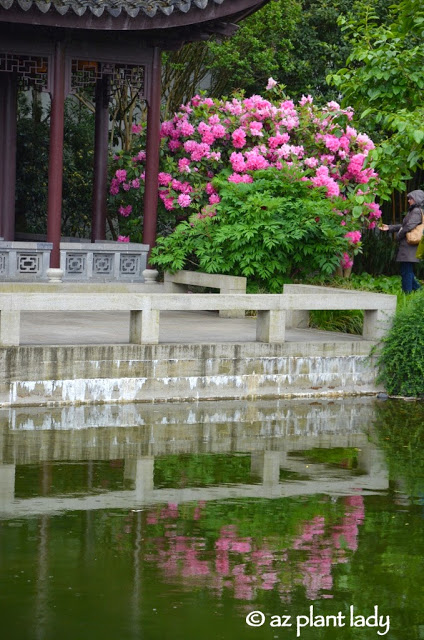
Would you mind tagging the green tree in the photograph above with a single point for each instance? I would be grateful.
(383, 80)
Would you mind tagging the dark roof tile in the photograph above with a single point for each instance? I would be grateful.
(113, 7)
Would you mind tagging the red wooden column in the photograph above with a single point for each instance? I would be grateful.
(54, 205)
(98, 225)
(152, 152)
(8, 119)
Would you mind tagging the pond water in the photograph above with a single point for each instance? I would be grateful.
(173, 521)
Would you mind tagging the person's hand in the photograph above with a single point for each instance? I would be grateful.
(384, 227)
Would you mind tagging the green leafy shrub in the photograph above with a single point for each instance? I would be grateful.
(401, 358)
(268, 230)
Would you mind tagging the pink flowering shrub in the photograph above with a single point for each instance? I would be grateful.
(243, 136)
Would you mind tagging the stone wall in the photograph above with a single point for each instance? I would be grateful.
(49, 375)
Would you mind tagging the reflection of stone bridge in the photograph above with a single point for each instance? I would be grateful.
(268, 431)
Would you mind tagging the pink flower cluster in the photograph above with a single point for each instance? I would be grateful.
(246, 135)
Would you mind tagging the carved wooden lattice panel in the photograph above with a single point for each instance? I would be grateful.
(32, 71)
(85, 73)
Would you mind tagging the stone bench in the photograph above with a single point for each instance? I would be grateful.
(180, 281)
(145, 309)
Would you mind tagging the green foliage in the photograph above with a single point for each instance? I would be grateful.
(340, 321)
(383, 81)
(297, 42)
(262, 47)
(401, 358)
(32, 168)
(267, 230)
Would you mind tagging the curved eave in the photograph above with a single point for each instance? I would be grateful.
(119, 19)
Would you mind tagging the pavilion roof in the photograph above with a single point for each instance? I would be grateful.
(133, 8)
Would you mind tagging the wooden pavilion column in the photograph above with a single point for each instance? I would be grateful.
(54, 205)
(152, 153)
(8, 119)
(101, 136)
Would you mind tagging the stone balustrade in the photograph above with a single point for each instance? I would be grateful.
(102, 261)
(271, 309)
(24, 261)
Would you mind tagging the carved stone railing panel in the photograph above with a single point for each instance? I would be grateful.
(24, 261)
(80, 261)
(103, 261)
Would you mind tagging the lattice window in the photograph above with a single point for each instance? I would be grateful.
(85, 73)
(32, 71)
(3, 263)
(76, 263)
(102, 264)
(130, 265)
(28, 263)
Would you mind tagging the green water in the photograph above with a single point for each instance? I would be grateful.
(175, 522)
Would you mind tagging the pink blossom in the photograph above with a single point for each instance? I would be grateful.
(164, 178)
(236, 177)
(256, 128)
(333, 106)
(305, 99)
(125, 211)
(353, 236)
(174, 145)
(114, 187)
(123, 238)
(121, 175)
(184, 165)
(135, 183)
(239, 138)
(219, 131)
(184, 200)
(311, 162)
(346, 261)
(136, 128)
(238, 162)
(271, 84)
(169, 204)
(214, 198)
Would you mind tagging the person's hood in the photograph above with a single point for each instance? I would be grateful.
(418, 196)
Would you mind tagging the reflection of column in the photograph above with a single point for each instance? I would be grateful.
(140, 471)
(7, 484)
(266, 465)
(136, 599)
(42, 597)
(372, 461)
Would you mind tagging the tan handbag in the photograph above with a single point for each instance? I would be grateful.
(414, 236)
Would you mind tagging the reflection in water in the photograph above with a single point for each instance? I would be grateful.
(176, 524)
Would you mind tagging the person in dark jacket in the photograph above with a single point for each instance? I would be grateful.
(406, 254)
